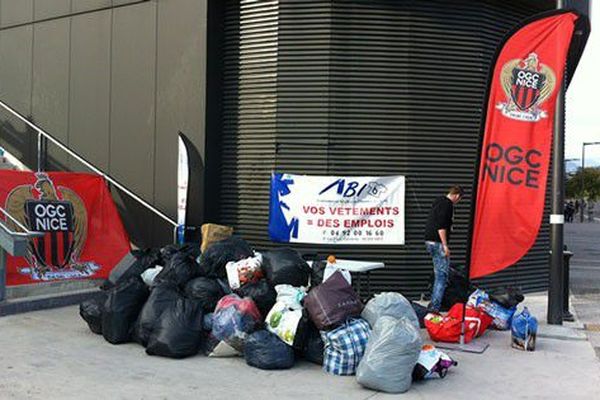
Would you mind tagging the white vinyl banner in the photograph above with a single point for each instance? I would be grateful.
(337, 210)
(182, 189)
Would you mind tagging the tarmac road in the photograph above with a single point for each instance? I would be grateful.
(584, 241)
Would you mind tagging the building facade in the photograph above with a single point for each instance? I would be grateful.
(339, 87)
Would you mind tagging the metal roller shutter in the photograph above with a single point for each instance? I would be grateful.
(363, 87)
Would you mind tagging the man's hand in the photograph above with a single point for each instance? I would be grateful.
(446, 250)
(444, 236)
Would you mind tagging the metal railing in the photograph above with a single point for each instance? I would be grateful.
(43, 135)
(14, 243)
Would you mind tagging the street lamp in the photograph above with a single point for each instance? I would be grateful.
(582, 173)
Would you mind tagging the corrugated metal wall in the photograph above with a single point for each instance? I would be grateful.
(363, 87)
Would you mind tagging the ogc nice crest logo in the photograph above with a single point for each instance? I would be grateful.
(61, 215)
(527, 84)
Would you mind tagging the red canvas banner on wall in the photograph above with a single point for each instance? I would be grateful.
(517, 141)
(83, 234)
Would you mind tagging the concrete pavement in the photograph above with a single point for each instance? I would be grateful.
(51, 355)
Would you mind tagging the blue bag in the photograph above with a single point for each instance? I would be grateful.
(524, 330)
(265, 350)
(344, 347)
(502, 316)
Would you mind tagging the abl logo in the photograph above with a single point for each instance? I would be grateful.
(354, 188)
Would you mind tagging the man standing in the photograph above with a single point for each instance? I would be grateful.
(437, 237)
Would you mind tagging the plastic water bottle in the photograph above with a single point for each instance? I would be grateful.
(180, 234)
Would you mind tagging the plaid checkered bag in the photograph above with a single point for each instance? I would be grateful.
(345, 346)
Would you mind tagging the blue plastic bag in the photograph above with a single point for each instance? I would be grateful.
(265, 350)
(502, 316)
(524, 330)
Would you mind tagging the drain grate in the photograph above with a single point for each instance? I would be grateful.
(592, 327)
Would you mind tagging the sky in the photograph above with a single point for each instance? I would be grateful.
(583, 106)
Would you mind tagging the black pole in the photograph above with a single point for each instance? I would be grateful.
(582, 181)
(555, 288)
(557, 217)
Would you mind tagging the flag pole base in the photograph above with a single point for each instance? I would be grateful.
(473, 347)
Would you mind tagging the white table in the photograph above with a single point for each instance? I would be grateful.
(359, 268)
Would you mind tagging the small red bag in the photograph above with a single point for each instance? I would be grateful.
(447, 329)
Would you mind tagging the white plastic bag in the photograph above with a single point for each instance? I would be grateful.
(290, 296)
(149, 275)
(330, 270)
(283, 322)
(432, 363)
(244, 271)
(224, 350)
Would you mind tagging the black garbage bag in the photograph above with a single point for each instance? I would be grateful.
(167, 252)
(133, 264)
(207, 291)
(285, 266)
(161, 297)
(313, 345)
(178, 333)
(91, 311)
(214, 259)
(508, 297)
(317, 272)
(121, 309)
(421, 312)
(458, 288)
(180, 269)
(225, 286)
(302, 331)
(265, 350)
(263, 294)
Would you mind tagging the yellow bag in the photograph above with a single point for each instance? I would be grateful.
(212, 233)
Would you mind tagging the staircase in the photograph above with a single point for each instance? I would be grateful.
(44, 295)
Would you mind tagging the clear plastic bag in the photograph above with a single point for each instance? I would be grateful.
(389, 304)
(391, 355)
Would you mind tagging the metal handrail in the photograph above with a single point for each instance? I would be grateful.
(26, 232)
(14, 243)
(41, 133)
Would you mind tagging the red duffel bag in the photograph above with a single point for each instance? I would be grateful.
(447, 329)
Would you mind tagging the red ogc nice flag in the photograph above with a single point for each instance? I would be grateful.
(517, 140)
(83, 236)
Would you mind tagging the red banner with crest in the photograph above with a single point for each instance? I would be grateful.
(83, 233)
(517, 141)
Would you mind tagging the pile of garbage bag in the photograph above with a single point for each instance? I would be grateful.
(481, 310)
(177, 302)
(269, 307)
